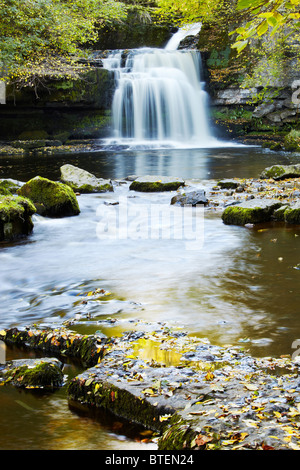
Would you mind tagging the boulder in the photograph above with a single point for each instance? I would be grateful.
(191, 198)
(152, 183)
(253, 211)
(45, 373)
(15, 217)
(50, 198)
(228, 184)
(280, 172)
(292, 214)
(8, 187)
(82, 181)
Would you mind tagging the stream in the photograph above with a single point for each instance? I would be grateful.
(239, 287)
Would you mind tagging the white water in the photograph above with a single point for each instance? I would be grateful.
(160, 98)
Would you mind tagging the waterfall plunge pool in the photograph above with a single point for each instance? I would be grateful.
(233, 290)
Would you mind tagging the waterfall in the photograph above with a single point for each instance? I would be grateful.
(160, 97)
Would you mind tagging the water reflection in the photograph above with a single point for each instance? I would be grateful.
(240, 287)
(242, 162)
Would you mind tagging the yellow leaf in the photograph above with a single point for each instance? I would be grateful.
(251, 387)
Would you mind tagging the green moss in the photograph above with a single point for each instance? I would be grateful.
(8, 188)
(227, 184)
(155, 186)
(251, 213)
(15, 217)
(43, 375)
(117, 400)
(292, 140)
(50, 198)
(292, 215)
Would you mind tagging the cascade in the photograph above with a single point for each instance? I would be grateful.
(160, 97)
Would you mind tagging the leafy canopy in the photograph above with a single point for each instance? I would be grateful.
(264, 17)
(36, 34)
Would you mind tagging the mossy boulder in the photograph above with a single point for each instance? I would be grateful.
(280, 172)
(15, 217)
(253, 211)
(227, 184)
(51, 198)
(8, 187)
(43, 373)
(82, 181)
(156, 183)
(292, 140)
(292, 214)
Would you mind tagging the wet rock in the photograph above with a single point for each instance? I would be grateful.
(45, 373)
(82, 181)
(252, 211)
(191, 198)
(8, 187)
(222, 399)
(61, 342)
(227, 184)
(292, 214)
(156, 183)
(280, 172)
(15, 217)
(51, 199)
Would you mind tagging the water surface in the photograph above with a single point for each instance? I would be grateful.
(240, 286)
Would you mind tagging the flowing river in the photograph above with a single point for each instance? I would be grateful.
(239, 286)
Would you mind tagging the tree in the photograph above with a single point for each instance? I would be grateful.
(262, 17)
(42, 37)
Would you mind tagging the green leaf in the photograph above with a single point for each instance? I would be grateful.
(262, 28)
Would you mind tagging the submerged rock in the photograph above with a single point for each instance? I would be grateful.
(190, 198)
(15, 217)
(253, 211)
(51, 199)
(279, 172)
(43, 373)
(153, 183)
(82, 181)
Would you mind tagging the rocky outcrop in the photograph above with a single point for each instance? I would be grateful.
(191, 198)
(50, 198)
(194, 395)
(45, 373)
(154, 183)
(253, 211)
(281, 172)
(15, 217)
(82, 181)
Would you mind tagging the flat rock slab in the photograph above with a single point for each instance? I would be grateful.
(194, 394)
(198, 397)
(253, 211)
(280, 172)
(44, 373)
(82, 181)
(154, 183)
